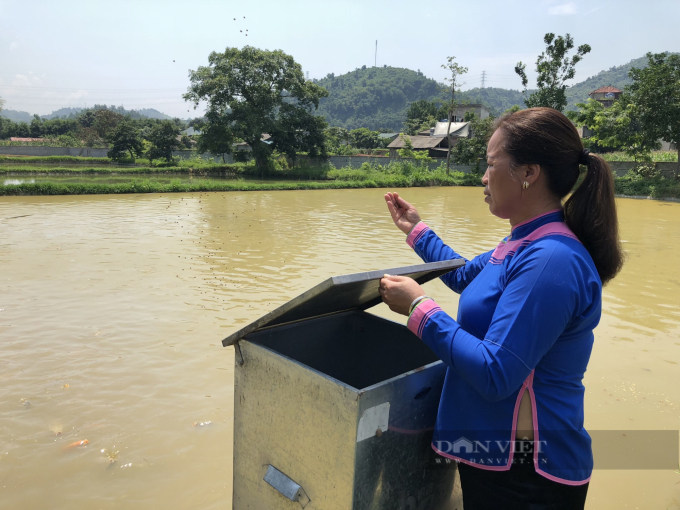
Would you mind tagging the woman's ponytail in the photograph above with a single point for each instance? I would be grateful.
(547, 137)
(590, 213)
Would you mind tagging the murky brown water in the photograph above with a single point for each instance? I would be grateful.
(112, 310)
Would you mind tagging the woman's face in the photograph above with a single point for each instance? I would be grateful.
(502, 185)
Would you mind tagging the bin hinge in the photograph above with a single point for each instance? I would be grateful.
(286, 486)
(239, 355)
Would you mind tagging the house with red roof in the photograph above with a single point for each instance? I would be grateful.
(606, 95)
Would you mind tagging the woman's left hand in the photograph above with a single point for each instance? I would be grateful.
(398, 292)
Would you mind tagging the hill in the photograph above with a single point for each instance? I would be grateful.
(378, 97)
(615, 76)
(16, 116)
(66, 113)
(374, 97)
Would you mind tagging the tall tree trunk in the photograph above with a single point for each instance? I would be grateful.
(448, 129)
(677, 167)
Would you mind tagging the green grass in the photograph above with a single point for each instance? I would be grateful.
(436, 178)
(657, 156)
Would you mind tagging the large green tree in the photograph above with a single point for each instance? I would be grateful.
(252, 92)
(124, 140)
(655, 92)
(163, 139)
(617, 127)
(554, 68)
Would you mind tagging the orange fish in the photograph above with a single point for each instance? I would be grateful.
(78, 443)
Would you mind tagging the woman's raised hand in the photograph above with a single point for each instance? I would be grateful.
(404, 215)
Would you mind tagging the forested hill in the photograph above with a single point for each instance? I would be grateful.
(374, 97)
(19, 116)
(378, 97)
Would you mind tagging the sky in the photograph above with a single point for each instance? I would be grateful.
(138, 54)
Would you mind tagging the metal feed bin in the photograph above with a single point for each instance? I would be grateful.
(334, 407)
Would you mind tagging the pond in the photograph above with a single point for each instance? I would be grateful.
(112, 310)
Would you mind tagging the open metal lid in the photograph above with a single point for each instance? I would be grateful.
(342, 293)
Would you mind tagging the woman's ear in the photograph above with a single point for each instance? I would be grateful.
(532, 172)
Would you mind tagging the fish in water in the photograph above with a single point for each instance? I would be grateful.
(77, 443)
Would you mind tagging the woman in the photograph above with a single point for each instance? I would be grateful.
(522, 340)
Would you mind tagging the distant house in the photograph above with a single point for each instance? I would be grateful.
(481, 111)
(433, 145)
(243, 146)
(606, 95)
(434, 139)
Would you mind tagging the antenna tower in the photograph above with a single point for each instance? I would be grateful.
(483, 78)
(375, 63)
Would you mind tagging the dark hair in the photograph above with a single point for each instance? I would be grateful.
(548, 138)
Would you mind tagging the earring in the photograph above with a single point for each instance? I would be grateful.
(525, 185)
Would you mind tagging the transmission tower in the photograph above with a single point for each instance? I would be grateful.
(483, 78)
(307, 75)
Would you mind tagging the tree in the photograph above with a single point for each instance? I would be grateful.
(419, 113)
(617, 127)
(469, 151)
(513, 109)
(216, 138)
(2, 103)
(655, 92)
(363, 138)
(253, 92)
(455, 70)
(554, 68)
(125, 139)
(36, 127)
(105, 122)
(163, 139)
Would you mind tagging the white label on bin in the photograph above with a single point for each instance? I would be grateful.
(373, 419)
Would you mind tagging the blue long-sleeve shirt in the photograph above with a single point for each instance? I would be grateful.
(525, 322)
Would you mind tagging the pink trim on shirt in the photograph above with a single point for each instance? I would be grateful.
(509, 248)
(534, 218)
(424, 310)
(416, 233)
(534, 415)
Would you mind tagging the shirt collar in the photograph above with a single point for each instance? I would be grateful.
(527, 227)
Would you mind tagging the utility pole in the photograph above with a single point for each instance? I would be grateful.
(375, 64)
(483, 78)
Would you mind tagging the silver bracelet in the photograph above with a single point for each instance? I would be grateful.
(415, 302)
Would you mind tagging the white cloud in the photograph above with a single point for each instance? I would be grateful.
(21, 80)
(14, 45)
(563, 9)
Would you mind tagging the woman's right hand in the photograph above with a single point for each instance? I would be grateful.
(404, 215)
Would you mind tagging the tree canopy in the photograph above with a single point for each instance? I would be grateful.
(554, 68)
(251, 92)
(655, 92)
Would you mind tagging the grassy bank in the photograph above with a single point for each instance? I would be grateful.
(335, 179)
(653, 188)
